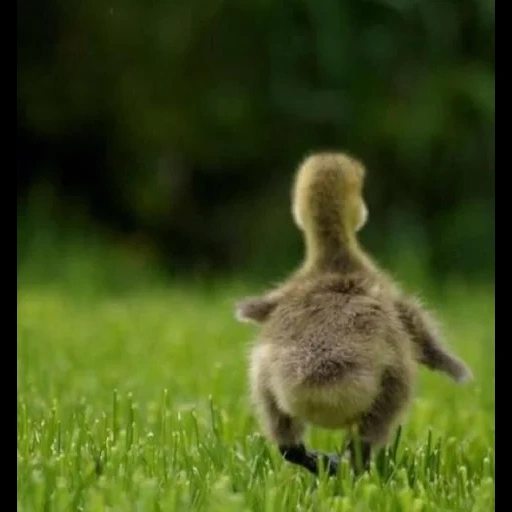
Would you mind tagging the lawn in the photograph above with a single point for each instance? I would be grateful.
(139, 401)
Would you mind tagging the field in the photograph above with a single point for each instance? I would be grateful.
(138, 401)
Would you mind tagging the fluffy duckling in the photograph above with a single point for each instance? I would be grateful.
(340, 342)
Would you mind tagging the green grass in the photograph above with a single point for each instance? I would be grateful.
(138, 401)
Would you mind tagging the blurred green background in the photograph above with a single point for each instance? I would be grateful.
(156, 145)
(165, 134)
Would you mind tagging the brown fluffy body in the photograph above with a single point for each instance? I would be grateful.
(340, 342)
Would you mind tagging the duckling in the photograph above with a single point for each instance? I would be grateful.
(339, 343)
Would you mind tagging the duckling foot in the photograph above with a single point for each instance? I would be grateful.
(311, 460)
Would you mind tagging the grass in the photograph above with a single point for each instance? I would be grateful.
(138, 401)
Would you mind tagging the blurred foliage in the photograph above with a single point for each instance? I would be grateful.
(182, 121)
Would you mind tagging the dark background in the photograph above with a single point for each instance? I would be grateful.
(172, 129)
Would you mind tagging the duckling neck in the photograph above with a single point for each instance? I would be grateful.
(333, 249)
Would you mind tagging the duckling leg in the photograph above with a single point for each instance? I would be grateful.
(280, 427)
(376, 425)
(287, 432)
